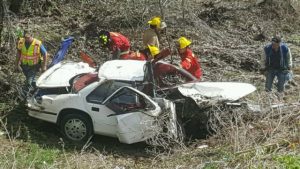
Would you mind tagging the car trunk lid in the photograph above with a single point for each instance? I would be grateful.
(60, 74)
(216, 91)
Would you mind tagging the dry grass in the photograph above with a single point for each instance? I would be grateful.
(253, 137)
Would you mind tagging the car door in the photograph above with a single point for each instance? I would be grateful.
(103, 123)
(135, 114)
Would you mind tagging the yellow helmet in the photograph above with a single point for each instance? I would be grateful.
(155, 21)
(183, 42)
(153, 50)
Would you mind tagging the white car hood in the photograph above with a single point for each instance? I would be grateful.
(131, 70)
(216, 91)
(60, 74)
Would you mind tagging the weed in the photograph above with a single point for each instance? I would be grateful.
(289, 161)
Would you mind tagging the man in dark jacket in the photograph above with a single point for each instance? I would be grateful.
(278, 63)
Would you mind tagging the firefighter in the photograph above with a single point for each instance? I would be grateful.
(117, 43)
(31, 56)
(151, 35)
(189, 61)
(147, 54)
(152, 52)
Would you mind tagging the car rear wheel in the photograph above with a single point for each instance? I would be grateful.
(76, 127)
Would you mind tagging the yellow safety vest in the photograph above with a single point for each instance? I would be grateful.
(32, 55)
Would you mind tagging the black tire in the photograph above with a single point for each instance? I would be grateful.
(76, 128)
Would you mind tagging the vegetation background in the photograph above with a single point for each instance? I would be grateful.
(228, 37)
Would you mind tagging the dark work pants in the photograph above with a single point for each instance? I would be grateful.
(281, 77)
(30, 73)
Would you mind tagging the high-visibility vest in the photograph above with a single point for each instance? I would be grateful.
(32, 55)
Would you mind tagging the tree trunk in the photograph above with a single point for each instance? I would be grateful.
(1, 19)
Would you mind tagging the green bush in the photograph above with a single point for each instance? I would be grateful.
(289, 161)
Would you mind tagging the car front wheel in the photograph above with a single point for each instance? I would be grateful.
(76, 127)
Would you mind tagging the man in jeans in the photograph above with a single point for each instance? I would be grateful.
(278, 63)
(31, 56)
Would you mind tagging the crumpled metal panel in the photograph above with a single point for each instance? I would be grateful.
(60, 74)
(214, 92)
(130, 70)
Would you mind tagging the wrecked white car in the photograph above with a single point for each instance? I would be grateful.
(124, 98)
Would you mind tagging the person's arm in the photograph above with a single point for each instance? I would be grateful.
(156, 40)
(44, 64)
(45, 57)
(263, 59)
(116, 54)
(186, 64)
(115, 51)
(289, 59)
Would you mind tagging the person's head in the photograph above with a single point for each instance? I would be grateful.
(27, 36)
(104, 38)
(276, 42)
(182, 44)
(156, 23)
(153, 50)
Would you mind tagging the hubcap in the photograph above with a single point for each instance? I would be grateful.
(75, 129)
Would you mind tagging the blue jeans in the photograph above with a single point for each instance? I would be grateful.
(30, 73)
(281, 77)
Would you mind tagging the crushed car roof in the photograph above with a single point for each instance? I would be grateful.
(129, 70)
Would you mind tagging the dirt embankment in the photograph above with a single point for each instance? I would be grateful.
(227, 35)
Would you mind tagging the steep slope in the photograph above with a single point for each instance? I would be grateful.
(228, 36)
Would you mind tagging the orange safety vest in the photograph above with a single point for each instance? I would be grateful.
(32, 55)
